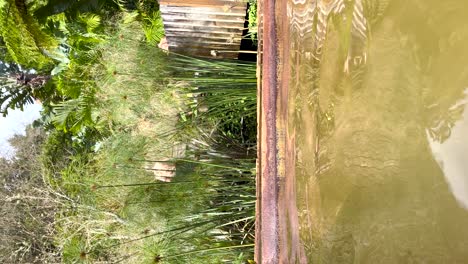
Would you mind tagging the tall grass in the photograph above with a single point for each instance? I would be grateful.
(148, 102)
(197, 218)
(222, 94)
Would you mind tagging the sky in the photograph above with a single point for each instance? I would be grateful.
(15, 123)
(452, 156)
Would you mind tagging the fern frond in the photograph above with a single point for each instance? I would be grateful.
(72, 115)
(23, 37)
(92, 21)
(154, 28)
(13, 96)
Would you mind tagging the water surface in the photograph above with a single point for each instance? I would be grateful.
(374, 132)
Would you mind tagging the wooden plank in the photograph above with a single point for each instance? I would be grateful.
(203, 53)
(202, 3)
(199, 25)
(195, 51)
(203, 18)
(175, 30)
(191, 51)
(209, 47)
(198, 12)
(210, 24)
(203, 41)
(218, 13)
(226, 11)
(203, 38)
(208, 37)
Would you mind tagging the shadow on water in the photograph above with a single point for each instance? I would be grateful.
(374, 132)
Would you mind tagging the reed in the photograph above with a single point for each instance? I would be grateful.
(148, 102)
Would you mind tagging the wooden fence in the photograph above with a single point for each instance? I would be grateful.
(206, 28)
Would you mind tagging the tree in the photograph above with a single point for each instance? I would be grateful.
(27, 207)
(25, 162)
(19, 87)
(12, 95)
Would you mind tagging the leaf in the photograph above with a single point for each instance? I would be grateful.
(59, 68)
(73, 114)
(154, 28)
(130, 17)
(92, 21)
(23, 37)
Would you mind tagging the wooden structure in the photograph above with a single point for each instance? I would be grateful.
(165, 169)
(205, 28)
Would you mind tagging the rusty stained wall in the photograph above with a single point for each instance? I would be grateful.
(272, 104)
(205, 28)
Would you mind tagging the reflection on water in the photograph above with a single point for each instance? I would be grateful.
(375, 162)
(452, 159)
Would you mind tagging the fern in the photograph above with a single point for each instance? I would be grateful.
(92, 21)
(154, 28)
(22, 35)
(72, 115)
(13, 96)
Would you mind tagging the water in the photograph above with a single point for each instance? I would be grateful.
(374, 127)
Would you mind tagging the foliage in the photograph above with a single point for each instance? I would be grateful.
(27, 147)
(120, 105)
(74, 74)
(27, 211)
(147, 12)
(79, 38)
(145, 124)
(223, 95)
(252, 19)
(26, 42)
(74, 114)
(13, 96)
(153, 27)
(72, 8)
(64, 38)
(121, 212)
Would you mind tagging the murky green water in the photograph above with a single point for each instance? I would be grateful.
(376, 129)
